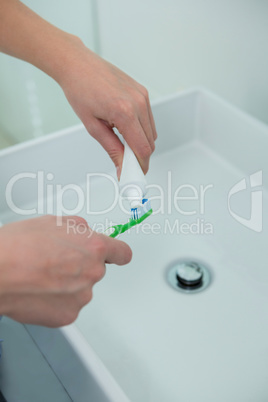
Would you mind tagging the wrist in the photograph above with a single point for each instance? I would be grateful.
(72, 59)
(62, 57)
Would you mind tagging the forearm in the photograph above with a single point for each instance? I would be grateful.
(27, 36)
(102, 96)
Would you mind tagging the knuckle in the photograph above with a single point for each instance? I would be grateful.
(97, 273)
(144, 92)
(146, 151)
(76, 221)
(86, 297)
(142, 100)
(80, 221)
(68, 317)
(98, 247)
(124, 108)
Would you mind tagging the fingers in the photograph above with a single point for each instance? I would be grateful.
(118, 252)
(134, 120)
(133, 130)
(75, 220)
(147, 106)
(151, 117)
(138, 142)
(100, 130)
(144, 119)
(113, 251)
(105, 249)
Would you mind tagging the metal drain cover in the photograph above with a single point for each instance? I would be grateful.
(188, 276)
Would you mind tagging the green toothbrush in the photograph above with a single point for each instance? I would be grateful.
(138, 215)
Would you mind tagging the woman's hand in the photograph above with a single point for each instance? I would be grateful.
(104, 97)
(47, 272)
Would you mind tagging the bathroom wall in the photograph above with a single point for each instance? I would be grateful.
(168, 45)
(174, 44)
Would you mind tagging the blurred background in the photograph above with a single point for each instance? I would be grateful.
(167, 45)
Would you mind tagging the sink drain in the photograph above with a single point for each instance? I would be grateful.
(188, 276)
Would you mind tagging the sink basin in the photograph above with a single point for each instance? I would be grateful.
(141, 339)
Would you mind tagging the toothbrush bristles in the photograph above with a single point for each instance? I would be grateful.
(137, 213)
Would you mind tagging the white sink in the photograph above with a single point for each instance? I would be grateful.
(139, 339)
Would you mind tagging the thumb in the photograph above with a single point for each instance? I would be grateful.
(104, 134)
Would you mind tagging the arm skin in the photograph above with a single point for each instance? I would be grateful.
(102, 96)
(46, 273)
